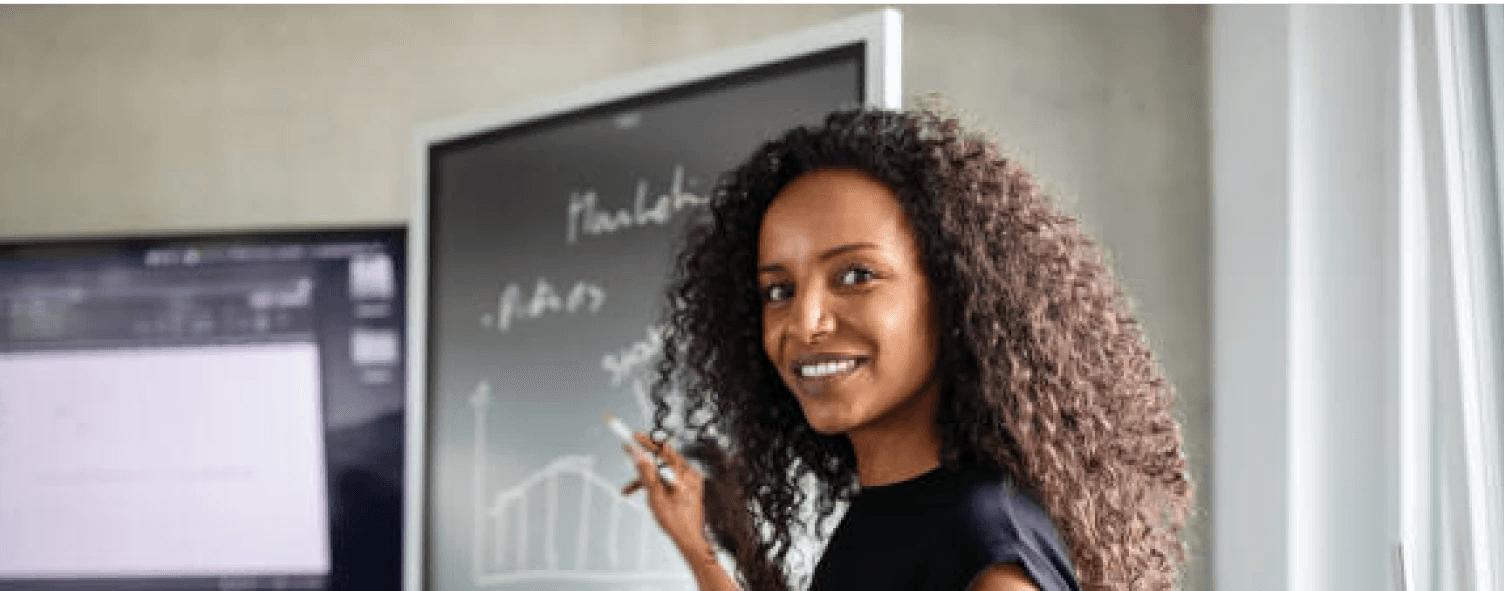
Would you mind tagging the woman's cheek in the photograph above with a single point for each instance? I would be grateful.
(770, 342)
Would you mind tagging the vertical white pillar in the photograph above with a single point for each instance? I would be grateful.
(1306, 295)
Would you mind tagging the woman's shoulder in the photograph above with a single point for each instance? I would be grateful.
(990, 502)
(991, 495)
(1003, 524)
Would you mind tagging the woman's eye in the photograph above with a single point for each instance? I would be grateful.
(855, 275)
(776, 293)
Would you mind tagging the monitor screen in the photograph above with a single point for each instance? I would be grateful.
(203, 412)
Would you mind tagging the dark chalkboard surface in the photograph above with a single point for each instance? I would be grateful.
(542, 242)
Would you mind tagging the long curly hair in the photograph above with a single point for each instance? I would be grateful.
(1047, 373)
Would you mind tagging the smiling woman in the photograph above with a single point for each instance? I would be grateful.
(885, 306)
(847, 318)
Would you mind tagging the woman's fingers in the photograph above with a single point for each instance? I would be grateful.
(647, 443)
(631, 487)
(668, 475)
(647, 469)
(647, 477)
(667, 452)
(672, 458)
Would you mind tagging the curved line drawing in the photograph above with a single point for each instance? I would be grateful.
(504, 534)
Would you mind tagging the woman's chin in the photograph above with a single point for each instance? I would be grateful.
(827, 423)
(827, 429)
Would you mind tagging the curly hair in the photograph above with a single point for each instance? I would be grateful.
(1047, 373)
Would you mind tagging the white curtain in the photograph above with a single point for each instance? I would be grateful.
(1452, 376)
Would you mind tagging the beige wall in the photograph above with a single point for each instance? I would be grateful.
(144, 119)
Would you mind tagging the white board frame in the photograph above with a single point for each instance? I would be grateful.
(880, 32)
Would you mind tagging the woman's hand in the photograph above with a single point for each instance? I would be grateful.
(679, 506)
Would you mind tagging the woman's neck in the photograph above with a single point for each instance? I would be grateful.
(900, 446)
(886, 460)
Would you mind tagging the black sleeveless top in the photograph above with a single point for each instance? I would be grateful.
(937, 532)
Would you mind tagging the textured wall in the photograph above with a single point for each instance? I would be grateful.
(119, 119)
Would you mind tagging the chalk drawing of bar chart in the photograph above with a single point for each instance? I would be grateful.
(563, 522)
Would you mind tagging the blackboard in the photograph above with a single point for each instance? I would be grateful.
(544, 240)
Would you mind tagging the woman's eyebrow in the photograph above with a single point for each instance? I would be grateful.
(845, 248)
(833, 251)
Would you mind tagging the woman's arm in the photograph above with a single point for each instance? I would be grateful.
(679, 508)
(1003, 577)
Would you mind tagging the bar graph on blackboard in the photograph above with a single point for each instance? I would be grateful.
(563, 522)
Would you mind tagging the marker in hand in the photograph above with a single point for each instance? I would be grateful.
(625, 435)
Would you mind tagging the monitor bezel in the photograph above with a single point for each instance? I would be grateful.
(123, 242)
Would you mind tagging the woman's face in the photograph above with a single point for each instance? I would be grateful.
(847, 317)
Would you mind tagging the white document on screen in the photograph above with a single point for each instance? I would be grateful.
(194, 461)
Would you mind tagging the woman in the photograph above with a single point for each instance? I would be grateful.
(887, 308)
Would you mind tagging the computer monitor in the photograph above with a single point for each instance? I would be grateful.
(203, 412)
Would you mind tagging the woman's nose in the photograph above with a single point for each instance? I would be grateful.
(815, 317)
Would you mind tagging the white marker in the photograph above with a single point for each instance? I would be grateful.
(625, 435)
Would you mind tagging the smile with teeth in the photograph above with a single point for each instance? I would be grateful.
(827, 369)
